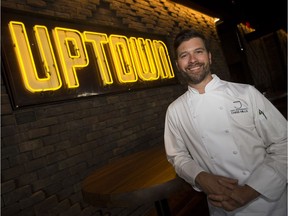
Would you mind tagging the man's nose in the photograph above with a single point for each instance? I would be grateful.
(192, 58)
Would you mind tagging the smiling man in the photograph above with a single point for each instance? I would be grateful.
(226, 139)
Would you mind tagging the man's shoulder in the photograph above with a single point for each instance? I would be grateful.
(240, 87)
(179, 101)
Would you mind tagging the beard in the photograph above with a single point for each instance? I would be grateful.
(196, 78)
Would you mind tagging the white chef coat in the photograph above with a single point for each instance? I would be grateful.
(234, 131)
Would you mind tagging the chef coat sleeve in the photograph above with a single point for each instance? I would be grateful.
(177, 153)
(270, 178)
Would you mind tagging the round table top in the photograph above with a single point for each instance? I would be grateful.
(142, 177)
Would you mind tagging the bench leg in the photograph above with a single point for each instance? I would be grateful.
(162, 207)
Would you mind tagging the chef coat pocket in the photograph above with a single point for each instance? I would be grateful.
(242, 118)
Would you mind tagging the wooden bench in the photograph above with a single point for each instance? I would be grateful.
(142, 177)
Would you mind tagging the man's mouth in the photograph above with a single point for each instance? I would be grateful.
(193, 67)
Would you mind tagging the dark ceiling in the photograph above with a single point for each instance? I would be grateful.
(266, 16)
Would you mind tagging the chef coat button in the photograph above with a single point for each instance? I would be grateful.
(244, 173)
(226, 131)
(212, 158)
(221, 108)
(235, 152)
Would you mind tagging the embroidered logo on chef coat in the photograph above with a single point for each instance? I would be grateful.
(262, 113)
(239, 108)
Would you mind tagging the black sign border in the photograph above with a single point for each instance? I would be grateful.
(21, 98)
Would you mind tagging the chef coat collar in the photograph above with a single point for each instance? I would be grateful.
(213, 84)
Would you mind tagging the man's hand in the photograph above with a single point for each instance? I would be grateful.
(239, 196)
(211, 184)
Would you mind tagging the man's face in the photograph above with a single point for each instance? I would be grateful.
(193, 60)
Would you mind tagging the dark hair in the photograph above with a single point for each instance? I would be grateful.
(186, 35)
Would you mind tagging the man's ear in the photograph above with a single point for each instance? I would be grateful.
(176, 63)
(210, 58)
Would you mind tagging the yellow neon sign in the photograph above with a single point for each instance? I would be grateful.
(31, 78)
(98, 41)
(128, 60)
(163, 63)
(143, 55)
(122, 58)
(70, 62)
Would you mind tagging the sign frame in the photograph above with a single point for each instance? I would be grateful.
(89, 78)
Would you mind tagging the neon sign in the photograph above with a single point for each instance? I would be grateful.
(51, 58)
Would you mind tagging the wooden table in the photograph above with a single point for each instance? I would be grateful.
(139, 178)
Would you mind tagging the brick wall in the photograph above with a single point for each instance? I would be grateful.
(47, 150)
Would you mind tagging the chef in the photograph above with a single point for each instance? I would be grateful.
(226, 139)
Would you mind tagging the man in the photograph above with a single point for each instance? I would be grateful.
(226, 139)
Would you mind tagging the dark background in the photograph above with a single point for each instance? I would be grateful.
(264, 16)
